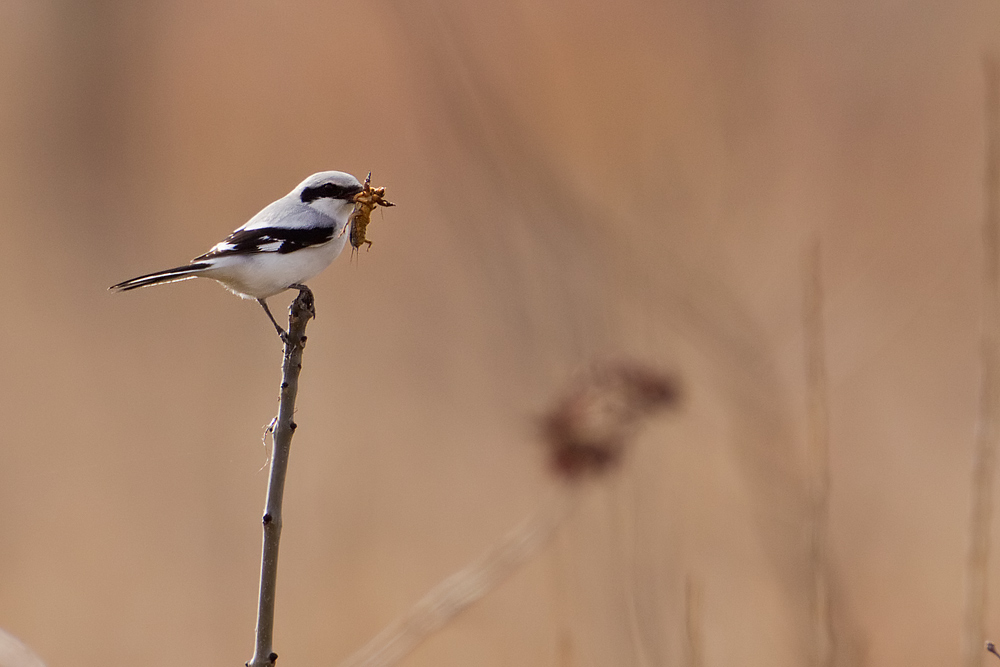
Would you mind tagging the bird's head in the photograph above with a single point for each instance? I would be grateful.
(329, 192)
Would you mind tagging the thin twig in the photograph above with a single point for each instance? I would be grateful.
(988, 426)
(299, 313)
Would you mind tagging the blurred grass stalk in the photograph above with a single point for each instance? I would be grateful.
(468, 585)
(586, 434)
(984, 456)
(694, 640)
(818, 455)
(14, 653)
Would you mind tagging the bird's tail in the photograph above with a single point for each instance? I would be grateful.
(169, 276)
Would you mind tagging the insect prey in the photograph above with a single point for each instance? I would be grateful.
(364, 203)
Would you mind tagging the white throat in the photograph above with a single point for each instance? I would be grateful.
(338, 209)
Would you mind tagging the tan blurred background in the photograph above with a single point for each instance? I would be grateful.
(574, 180)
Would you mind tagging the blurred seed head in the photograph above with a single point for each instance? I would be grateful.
(588, 430)
(991, 647)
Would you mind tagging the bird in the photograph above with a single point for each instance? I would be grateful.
(288, 242)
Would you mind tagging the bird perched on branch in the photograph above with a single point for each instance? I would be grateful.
(287, 243)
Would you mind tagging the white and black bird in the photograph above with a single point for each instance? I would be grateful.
(287, 243)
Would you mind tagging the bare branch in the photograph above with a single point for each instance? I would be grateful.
(299, 313)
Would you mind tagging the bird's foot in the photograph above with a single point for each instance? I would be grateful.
(308, 302)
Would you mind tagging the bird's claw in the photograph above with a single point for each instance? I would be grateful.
(306, 296)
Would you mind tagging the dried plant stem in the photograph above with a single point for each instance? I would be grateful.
(818, 456)
(283, 427)
(988, 427)
(467, 585)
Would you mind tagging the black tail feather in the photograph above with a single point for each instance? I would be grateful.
(168, 276)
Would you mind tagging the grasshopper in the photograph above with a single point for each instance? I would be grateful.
(364, 203)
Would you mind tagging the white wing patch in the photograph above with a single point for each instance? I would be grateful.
(221, 247)
(269, 246)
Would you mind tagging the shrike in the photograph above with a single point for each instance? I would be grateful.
(287, 243)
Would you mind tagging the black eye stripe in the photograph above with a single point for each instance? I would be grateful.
(331, 190)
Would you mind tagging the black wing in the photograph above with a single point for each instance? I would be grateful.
(270, 239)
